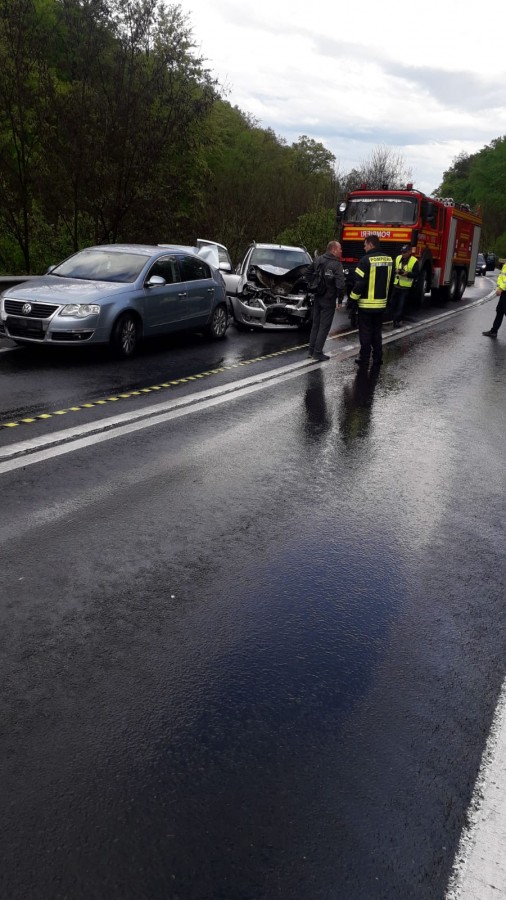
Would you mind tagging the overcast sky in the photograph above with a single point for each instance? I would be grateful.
(426, 79)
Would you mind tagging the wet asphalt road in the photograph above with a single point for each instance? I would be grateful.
(254, 653)
(36, 381)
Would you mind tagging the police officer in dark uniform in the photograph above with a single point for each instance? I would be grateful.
(372, 282)
(324, 305)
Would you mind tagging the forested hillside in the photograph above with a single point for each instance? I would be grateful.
(480, 180)
(112, 128)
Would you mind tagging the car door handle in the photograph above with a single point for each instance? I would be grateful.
(210, 290)
(182, 293)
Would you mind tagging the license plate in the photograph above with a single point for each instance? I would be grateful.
(28, 326)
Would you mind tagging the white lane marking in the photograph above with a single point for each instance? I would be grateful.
(40, 449)
(186, 403)
(479, 868)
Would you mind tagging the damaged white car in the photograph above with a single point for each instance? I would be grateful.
(269, 289)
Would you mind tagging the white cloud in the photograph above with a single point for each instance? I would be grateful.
(427, 81)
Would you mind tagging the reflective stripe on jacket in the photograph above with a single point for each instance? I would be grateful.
(372, 280)
(406, 280)
(501, 279)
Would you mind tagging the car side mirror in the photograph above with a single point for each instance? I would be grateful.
(225, 267)
(156, 281)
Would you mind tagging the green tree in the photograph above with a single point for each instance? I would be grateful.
(312, 158)
(312, 230)
(480, 181)
(102, 105)
(456, 180)
(25, 31)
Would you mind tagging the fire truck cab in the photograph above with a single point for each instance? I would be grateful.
(444, 237)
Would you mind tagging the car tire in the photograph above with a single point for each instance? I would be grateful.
(218, 325)
(125, 336)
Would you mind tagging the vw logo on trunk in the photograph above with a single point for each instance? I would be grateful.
(26, 309)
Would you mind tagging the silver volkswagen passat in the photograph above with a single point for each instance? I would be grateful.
(117, 294)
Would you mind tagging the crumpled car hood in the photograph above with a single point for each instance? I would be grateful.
(280, 281)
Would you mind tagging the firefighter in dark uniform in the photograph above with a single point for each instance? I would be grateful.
(370, 291)
(407, 271)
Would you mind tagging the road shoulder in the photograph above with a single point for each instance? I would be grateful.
(480, 863)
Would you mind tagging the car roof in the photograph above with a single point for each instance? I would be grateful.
(185, 247)
(144, 249)
(279, 247)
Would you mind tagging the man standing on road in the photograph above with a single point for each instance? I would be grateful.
(406, 271)
(372, 281)
(500, 310)
(324, 304)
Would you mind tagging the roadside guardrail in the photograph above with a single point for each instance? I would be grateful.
(7, 281)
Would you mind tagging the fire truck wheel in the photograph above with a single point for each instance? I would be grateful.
(425, 287)
(427, 280)
(417, 293)
(462, 284)
(453, 286)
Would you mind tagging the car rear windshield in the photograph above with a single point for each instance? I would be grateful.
(282, 259)
(102, 265)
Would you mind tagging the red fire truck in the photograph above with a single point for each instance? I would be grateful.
(444, 235)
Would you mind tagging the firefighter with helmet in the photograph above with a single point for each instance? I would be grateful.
(406, 271)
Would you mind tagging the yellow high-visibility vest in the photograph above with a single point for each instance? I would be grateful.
(401, 280)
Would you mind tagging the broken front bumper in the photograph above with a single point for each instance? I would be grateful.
(272, 315)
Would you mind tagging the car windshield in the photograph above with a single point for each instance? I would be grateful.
(102, 265)
(279, 257)
(381, 211)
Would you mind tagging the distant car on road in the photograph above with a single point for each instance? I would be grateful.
(268, 288)
(481, 265)
(491, 261)
(117, 294)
